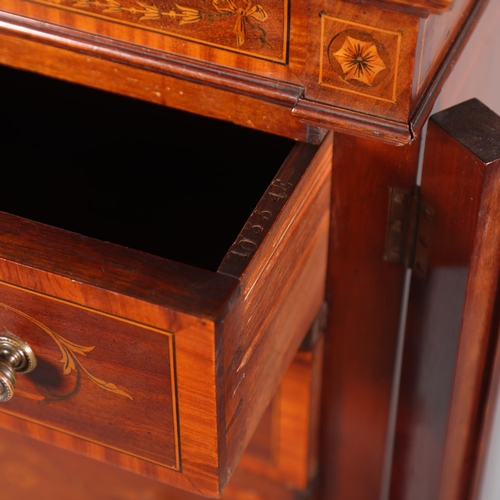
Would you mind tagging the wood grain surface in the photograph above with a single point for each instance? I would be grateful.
(120, 48)
(453, 324)
(282, 290)
(181, 339)
(364, 295)
(423, 6)
(284, 447)
(37, 469)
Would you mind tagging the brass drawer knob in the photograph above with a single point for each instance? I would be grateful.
(16, 356)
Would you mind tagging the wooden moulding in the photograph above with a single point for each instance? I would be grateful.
(452, 330)
(168, 354)
(423, 7)
(437, 53)
(292, 97)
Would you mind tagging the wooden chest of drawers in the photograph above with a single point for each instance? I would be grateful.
(143, 361)
(165, 368)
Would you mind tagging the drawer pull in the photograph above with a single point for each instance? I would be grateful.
(16, 356)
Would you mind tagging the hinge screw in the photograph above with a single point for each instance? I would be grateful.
(397, 226)
(400, 198)
(428, 214)
(420, 267)
(395, 252)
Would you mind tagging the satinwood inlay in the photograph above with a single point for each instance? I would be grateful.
(242, 25)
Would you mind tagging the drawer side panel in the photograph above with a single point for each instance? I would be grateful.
(282, 290)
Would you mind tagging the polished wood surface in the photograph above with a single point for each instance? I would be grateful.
(479, 327)
(33, 469)
(277, 464)
(301, 70)
(285, 69)
(364, 294)
(436, 35)
(284, 447)
(453, 325)
(282, 291)
(426, 5)
(184, 410)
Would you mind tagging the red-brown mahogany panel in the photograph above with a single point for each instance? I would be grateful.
(32, 469)
(88, 360)
(282, 290)
(364, 295)
(285, 444)
(154, 84)
(452, 315)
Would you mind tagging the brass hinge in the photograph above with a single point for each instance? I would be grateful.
(409, 230)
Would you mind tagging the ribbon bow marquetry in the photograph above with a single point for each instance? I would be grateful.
(243, 16)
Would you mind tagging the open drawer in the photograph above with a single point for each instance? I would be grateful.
(160, 367)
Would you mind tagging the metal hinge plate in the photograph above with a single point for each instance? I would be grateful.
(409, 230)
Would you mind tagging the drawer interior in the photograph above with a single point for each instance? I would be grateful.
(118, 169)
(172, 365)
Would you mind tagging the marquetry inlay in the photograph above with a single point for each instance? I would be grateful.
(359, 59)
(94, 371)
(257, 27)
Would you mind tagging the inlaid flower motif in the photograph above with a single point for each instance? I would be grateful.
(243, 16)
(152, 12)
(244, 10)
(359, 60)
(186, 15)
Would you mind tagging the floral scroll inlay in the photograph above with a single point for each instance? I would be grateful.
(71, 363)
(247, 14)
(359, 60)
(147, 12)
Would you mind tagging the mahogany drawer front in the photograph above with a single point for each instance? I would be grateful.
(160, 367)
(278, 461)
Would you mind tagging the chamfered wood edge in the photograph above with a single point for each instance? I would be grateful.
(487, 424)
(424, 107)
(475, 126)
(353, 122)
(478, 339)
(476, 347)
